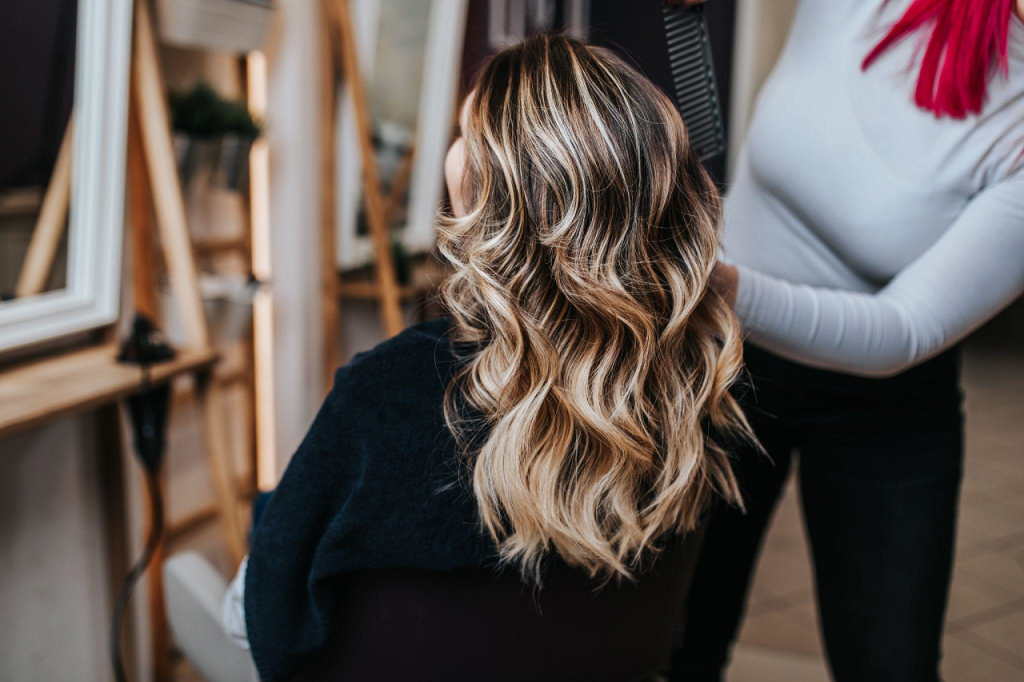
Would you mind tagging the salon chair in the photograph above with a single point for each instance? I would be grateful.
(579, 635)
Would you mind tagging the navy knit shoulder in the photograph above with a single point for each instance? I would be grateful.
(390, 399)
(376, 484)
(419, 358)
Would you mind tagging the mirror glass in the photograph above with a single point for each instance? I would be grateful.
(411, 52)
(395, 88)
(37, 76)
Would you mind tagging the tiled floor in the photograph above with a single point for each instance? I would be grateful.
(985, 624)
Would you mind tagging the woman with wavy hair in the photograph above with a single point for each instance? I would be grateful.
(512, 492)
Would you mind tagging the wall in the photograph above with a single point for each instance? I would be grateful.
(293, 130)
(54, 572)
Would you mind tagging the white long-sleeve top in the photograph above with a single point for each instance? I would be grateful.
(232, 608)
(868, 234)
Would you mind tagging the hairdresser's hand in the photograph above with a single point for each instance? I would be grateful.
(725, 279)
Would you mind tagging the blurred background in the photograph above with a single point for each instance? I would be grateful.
(204, 162)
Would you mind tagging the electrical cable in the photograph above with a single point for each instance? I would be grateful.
(148, 410)
(156, 514)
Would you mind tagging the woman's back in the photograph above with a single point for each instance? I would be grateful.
(371, 545)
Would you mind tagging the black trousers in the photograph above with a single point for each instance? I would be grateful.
(880, 464)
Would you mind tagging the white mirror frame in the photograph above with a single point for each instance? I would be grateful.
(434, 122)
(95, 232)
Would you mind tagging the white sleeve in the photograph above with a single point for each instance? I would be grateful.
(232, 610)
(967, 276)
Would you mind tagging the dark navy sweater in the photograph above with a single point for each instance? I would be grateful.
(375, 484)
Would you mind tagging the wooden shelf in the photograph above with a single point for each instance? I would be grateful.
(22, 202)
(360, 283)
(214, 245)
(369, 291)
(42, 390)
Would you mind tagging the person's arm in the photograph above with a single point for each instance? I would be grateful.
(971, 273)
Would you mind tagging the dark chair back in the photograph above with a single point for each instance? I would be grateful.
(472, 626)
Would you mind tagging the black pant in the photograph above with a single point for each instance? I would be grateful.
(880, 464)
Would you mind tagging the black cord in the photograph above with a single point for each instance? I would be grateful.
(156, 531)
(148, 412)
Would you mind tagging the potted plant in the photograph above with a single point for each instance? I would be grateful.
(213, 136)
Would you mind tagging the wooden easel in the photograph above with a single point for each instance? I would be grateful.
(150, 145)
(340, 66)
(153, 178)
(49, 227)
(154, 147)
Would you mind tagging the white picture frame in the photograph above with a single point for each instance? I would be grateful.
(435, 119)
(95, 232)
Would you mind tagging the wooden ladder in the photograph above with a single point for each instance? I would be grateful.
(340, 67)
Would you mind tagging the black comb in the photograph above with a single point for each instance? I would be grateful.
(693, 78)
(671, 46)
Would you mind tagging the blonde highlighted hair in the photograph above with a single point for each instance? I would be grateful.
(593, 398)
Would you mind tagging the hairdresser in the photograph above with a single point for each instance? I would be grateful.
(875, 219)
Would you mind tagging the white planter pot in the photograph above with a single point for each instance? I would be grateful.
(220, 25)
(227, 303)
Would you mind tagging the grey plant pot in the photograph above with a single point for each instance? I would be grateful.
(221, 161)
(233, 162)
(195, 156)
